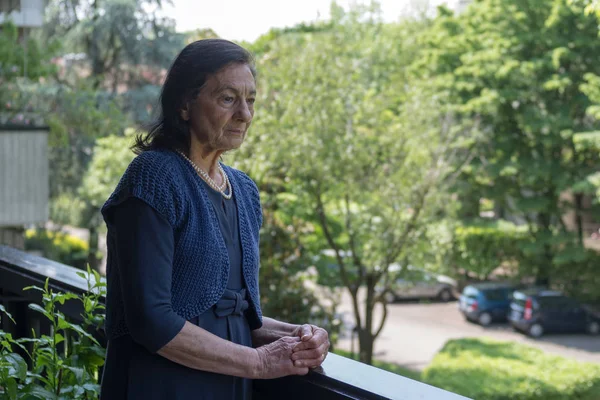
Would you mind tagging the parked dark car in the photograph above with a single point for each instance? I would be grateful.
(487, 302)
(536, 312)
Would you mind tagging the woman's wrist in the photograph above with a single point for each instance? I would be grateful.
(272, 330)
(256, 365)
(287, 328)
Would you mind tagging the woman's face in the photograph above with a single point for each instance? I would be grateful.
(221, 114)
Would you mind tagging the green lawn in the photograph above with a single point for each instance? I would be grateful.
(493, 370)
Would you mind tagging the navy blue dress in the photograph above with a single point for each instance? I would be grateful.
(144, 244)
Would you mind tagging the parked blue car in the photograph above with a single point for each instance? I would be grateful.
(485, 303)
(536, 311)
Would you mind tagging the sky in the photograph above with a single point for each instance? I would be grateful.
(248, 19)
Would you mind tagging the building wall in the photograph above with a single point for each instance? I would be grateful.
(13, 237)
(29, 13)
(24, 188)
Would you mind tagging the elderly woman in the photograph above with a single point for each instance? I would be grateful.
(183, 315)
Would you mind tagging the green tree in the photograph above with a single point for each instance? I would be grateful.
(590, 141)
(76, 117)
(22, 63)
(125, 41)
(111, 156)
(288, 289)
(22, 58)
(517, 66)
(362, 154)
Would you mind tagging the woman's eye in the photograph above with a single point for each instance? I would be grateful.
(228, 99)
(251, 101)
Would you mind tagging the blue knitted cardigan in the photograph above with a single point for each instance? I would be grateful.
(169, 184)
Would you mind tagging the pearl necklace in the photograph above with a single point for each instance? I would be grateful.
(206, 178)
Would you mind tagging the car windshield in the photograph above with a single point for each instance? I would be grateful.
(556, 302)
(470, 292)
(519, 298)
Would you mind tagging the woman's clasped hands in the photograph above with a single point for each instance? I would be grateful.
(306, 348)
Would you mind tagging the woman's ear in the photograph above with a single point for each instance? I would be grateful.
(184, 113)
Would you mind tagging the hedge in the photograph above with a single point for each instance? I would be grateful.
(492, 370)
(58, 246)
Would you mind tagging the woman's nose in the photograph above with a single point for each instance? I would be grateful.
(244, 113)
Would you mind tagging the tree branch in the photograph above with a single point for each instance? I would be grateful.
(398, 246)
(323, 221)
(342, 266)
(442, 157)
(355, 257)
(383, 318)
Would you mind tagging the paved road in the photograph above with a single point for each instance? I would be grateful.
(415, 332)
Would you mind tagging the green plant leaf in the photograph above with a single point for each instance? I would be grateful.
(88, 304)
(28, 340)
(58, 338)
(18, 366)
(37, 392)
(40, 309)
(18, 343)
(62, 297)
(92, 387)
(79, 330)
(34, 377)
(72, 392)
(62, 322)
(92, 356)
(39, 289)
(3, 310)
(78, 372)
(5, 344)
(11, 388)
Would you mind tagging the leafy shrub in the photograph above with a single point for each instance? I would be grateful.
(58, 246)
(580, 278)
(482, 247)
(64, 364)
(493, 370)
(66, 209)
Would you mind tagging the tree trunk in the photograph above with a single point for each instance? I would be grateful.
(469, 205)
(366, 339)
(543, 271)
(365, 343)
(578, 217)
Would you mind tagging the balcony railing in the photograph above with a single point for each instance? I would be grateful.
(338, 378)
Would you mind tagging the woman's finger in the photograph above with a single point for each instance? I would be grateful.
(306, 332)
(319, 337)
(312, 363)
(311, 353)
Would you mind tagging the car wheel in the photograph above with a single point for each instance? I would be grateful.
(485, 319)
(536, 330)
(593, 328)
(445, 295)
